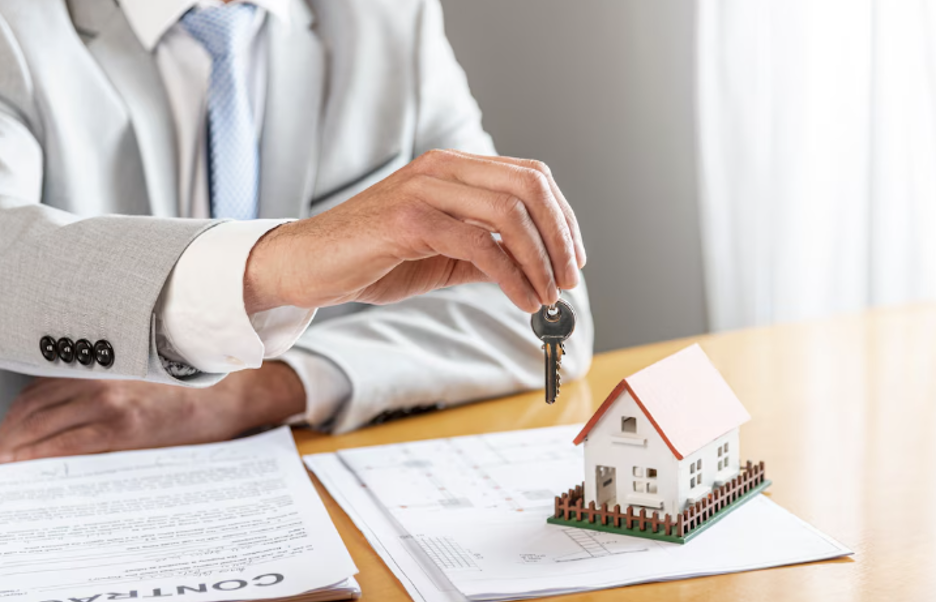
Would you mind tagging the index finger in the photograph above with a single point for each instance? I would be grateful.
(39, 394)
(565, 207)
(528, 186)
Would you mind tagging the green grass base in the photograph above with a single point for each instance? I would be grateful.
(660, 535)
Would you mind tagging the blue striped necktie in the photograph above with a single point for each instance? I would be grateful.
(224, 32)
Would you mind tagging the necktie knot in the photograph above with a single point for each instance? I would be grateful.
(222, 30)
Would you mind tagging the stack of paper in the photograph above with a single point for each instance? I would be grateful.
(466, 518)
(230, 521)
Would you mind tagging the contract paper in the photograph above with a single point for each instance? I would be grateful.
(466, 518)
(238, 520)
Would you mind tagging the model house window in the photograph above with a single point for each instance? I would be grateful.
(699, 478)
(693, 482)
(720, 465)
(693, 468)
(699, 465)
(652, 488)
(652, 473)
(638, 486)
(720, 452)
(629, 425)
(726, 447)
(638, 471)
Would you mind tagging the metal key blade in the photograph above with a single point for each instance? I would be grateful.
(553, 355)
(553, 326)
(551, 371)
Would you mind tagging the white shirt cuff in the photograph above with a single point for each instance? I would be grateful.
(201, 319)
(327, 387)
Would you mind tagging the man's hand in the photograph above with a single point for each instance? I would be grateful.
(427, 226)
(65, 417)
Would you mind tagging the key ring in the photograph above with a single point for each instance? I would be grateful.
(553, 312)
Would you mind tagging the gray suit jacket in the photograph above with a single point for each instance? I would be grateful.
(88, 186)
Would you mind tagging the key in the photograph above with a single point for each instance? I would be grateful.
(553, 325)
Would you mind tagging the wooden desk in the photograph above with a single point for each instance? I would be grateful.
(843, 413)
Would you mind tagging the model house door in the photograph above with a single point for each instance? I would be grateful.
(605, 485)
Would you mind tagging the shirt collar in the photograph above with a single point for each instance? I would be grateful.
(150, 19)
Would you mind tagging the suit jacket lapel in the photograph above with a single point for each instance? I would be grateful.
(296, 88)
(133, 73)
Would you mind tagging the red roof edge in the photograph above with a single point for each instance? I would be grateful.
(599, 413)
(651, 419)
(623, 386)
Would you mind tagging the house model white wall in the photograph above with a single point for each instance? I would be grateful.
(664, 437)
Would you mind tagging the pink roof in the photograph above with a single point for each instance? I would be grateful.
(684, 397)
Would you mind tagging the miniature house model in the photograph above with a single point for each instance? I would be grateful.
(665, 437)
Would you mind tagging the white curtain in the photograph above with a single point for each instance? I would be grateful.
(817, 156)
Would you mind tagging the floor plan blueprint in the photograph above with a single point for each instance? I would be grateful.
(596, 544)
(495, 471)
(465, 517)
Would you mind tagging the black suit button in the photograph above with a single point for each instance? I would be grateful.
(104, 353)
(84, 352)
(66, 349)
(47, 347)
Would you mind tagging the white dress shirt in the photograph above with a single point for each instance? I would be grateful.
(201, 317)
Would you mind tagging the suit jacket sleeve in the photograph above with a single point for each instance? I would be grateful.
(65, 276)
(450, 346)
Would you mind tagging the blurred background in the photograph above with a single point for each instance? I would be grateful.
(733, 163)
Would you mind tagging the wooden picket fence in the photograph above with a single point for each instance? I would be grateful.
(570, 506)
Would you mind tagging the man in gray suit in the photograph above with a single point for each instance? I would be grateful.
(297, 138)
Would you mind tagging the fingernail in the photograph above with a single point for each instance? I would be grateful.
(6, 457)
